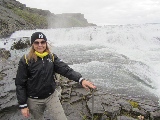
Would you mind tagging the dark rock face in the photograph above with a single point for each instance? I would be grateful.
(9, 20)
(16, 16)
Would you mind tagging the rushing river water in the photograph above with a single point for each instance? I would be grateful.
(122, 60)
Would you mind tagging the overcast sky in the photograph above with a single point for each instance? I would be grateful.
(104, 12)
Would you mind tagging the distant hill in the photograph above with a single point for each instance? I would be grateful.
(16, 16)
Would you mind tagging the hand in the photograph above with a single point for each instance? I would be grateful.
(25, 112)
(87, 84)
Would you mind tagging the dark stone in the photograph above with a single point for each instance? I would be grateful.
(75, 99)
(66, 91)
(73, 93)
(148, 107)
(126, 106)
(98, 108)
(137, 112)
(125, 118)
(108, 99)
(155, 115)
(104, 117)
(4, 53)
(81, 91)
(76, 111)
(112, 110)
(21, 44)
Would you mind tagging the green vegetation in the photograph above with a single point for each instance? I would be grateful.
(32, 18)
(95, 117)
(133, 103)
(84, 117)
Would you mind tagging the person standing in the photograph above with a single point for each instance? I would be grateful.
(35, 83)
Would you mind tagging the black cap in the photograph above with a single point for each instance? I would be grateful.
(37, 35)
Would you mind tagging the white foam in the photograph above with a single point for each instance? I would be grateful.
(137, 42)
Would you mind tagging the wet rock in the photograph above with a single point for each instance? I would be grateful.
(66, 92)
(148, 108)
(112, 110)
(67, 108)
(76, 111)
(108, 99)
(21, 44)
(137, 112)
(125, 118)
(81, 91)
(73, 93)
(104, 117)
(5, 54)
(98, 108)
(126, 106)
(155, 115)
(75, 99)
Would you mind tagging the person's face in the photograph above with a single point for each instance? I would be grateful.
(40, 45)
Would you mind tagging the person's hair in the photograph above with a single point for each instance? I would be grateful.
(32, 55)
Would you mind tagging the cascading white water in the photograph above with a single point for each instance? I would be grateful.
(115, 57)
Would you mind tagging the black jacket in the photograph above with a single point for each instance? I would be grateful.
(36, 79)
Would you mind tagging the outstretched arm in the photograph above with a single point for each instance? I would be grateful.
(63, 69)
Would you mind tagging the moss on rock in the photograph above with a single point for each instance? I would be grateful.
(134, 104)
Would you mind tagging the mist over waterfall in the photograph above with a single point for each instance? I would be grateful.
(120, 59)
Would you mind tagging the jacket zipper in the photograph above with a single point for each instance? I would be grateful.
(43, 69)
(43, 62)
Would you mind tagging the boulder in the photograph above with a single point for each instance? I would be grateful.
(125, 118)
(5, 54)
(22, 43)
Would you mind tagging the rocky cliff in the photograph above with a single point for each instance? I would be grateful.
(16, 16)
(68, 20)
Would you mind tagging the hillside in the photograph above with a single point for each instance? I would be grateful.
(16, 16)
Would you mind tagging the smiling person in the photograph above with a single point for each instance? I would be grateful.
(35, 83)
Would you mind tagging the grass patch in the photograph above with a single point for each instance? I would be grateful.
(33, 18)
(134, 104)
